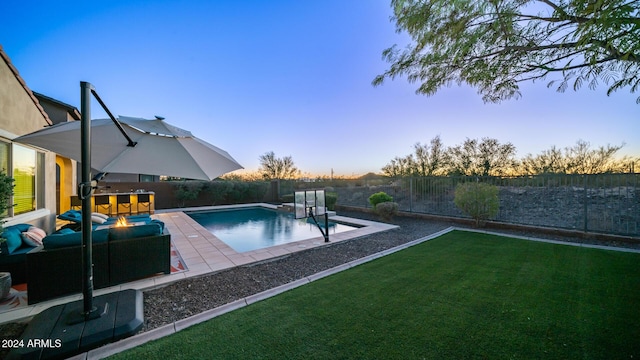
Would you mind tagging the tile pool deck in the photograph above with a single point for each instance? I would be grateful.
(204, 253)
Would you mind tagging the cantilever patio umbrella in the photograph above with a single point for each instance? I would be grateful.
(160, 148)
(130, 145)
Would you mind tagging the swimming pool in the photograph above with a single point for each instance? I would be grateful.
(256, 228)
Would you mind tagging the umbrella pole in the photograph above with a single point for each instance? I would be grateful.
(85, 190)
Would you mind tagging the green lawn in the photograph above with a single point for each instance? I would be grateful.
(462, 295)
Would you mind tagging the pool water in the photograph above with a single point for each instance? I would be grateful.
(256, 228)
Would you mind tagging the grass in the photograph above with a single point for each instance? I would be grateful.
(462, 295)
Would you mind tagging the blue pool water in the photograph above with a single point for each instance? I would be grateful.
(256, 228)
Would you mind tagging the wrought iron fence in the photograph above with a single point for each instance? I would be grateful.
(605, 203)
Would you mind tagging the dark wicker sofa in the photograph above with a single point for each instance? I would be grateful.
(13, 252)
(119, 255)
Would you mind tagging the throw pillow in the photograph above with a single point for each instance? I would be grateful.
(20, 227)
(97, 219)
(71, 215)
(156, 221)
(101, 215)
(13, 239)
(64, 231)
(33, 236)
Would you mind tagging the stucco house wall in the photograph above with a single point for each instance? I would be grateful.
(21, 113)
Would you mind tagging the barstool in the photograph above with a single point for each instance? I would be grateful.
(125, 201)
(102, 201)
(145, 200)
(76, 203)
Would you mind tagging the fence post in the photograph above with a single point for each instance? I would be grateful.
(584, 182)
(411, 194)
(275, 190)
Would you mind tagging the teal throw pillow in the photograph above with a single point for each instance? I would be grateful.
(156, 221)
(64, 231)
(13, 238)
(20, 227)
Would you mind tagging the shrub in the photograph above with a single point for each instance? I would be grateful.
(387, 210)
(356, 196)
(289, 198)
(478, 200)
(187, 191)
(331, 198)
(218, 192)
(379, 197)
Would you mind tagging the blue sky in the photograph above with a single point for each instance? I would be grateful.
(288, 76)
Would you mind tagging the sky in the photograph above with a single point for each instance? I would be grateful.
(288, 76)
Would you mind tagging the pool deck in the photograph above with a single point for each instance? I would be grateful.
(204, 254)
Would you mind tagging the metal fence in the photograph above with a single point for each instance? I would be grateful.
(604, 203)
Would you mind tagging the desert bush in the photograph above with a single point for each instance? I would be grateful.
(289, 198)
(387, 210)
(379, 197)
(235, 192)
(219, 192)
(478, 200)
(331, 199)
(187, 191)
(357, 196)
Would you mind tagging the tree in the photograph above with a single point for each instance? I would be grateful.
(272, 167)
(398, 166)
(482, 158)
(427, 160)
(548, 162)
(581, 159)
(577, 159)
(432, 159)
(493, 45)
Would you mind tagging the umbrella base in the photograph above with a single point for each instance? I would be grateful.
(50, 334)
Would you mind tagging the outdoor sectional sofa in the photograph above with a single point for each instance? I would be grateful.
(13, 252)
(18, 240)
(120, 255)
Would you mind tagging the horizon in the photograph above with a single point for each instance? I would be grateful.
(289, 77)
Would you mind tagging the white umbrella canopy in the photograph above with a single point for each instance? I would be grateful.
(161, 148)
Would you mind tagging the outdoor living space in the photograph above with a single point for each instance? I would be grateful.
(198, 252)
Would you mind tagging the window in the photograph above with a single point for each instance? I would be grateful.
(26, 166)
(4, 166)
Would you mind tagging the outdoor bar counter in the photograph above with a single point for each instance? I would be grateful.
(120, 203)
